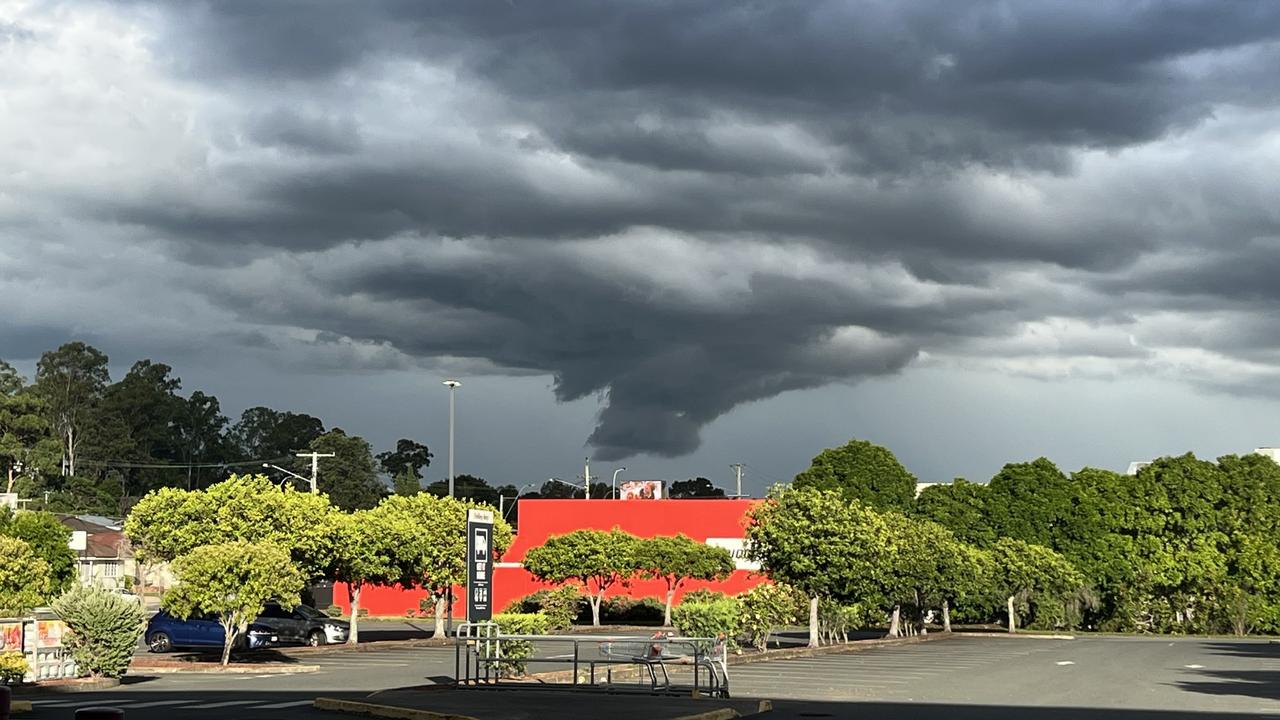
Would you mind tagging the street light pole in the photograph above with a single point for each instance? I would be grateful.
(452, 385)
(290, 473)
(614, 494)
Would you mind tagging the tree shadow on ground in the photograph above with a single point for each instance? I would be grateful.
(1257, 649)
(798, 710)
(1247, 683)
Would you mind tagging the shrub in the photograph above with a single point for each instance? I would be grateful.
(514, 652)
(561, 606)
(622, 609)
(768, 606)
(13, 667)
(703, 595)
(104, 626)
(710, 619)
(333, 611)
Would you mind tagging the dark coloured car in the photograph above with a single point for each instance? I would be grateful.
(166, 632)
(303, 624)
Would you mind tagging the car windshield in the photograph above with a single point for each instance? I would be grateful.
(308, 612)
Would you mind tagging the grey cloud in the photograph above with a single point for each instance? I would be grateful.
(412, 181)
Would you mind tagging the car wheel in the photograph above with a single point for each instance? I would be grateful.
(160, 642)
(316, 638)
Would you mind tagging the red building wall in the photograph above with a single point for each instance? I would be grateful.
(540, 519)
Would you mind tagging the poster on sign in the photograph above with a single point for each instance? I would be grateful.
(641, 490)
(10, 636)
(49, 633)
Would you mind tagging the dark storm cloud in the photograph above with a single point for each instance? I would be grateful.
(683, 207)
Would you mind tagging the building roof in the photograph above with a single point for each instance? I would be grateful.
(102, 540)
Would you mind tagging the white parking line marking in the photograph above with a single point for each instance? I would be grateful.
(158, 703)
(228, 703)
(277, 706)
(1064, 662)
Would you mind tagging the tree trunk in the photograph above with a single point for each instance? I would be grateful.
(71, 452)
(946, 616)
(353, 594)
(228, 639)
(441, 604)
(595, 608)
(666, 615)
(813, 621)
(895, 622)
(1013, 619)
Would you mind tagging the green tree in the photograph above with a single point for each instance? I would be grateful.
(350, 478)
(864, 472)
(698, 487)
(1029, 502)
(47, 538)
(170, 522)
(365, 551)
(266, 434)
(428, 535)
(233, 581)
(824, 545)
(675, 559)
(142, 406)
(27, 443)
(961, 507)
(409, 458)
(25, 581)
(199, 431)
(595, 559)
(466, 487)
(407, 484)
(70, 382)
(1032, 577)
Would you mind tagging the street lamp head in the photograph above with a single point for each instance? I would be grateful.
(266, 465)
(451, 384)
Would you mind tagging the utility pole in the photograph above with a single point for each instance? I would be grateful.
(737, 469)
(315, 467)
(586, 477)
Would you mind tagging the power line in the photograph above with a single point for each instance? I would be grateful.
(772, 478)
(177, 466)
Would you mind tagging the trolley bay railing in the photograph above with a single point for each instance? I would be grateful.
(666, 664)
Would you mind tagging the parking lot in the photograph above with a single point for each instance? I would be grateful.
(958, 677)
(980, 677)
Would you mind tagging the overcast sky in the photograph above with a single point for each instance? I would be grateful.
(669, 235)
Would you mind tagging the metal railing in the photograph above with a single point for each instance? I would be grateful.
(485, 657)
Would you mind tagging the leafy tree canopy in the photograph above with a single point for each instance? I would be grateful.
(698, 487)
(596, 559)
(47, 537)
(25, 580)
(961, 507)
(409, 458)
(822, 544)
(169, 522)
(233, 581)
(350, 478)
(862, 471)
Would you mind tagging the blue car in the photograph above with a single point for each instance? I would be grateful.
(166, 632)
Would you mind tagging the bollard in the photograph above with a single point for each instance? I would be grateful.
(99, 713)
(5, 696)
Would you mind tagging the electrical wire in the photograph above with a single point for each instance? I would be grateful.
(176, 466)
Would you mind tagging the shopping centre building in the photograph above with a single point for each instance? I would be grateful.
(718, 522)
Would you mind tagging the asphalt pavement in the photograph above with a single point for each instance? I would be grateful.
(958, 677)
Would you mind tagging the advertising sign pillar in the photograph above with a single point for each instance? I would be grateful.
(479, 565)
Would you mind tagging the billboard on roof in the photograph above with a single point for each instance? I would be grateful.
(640, 490)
